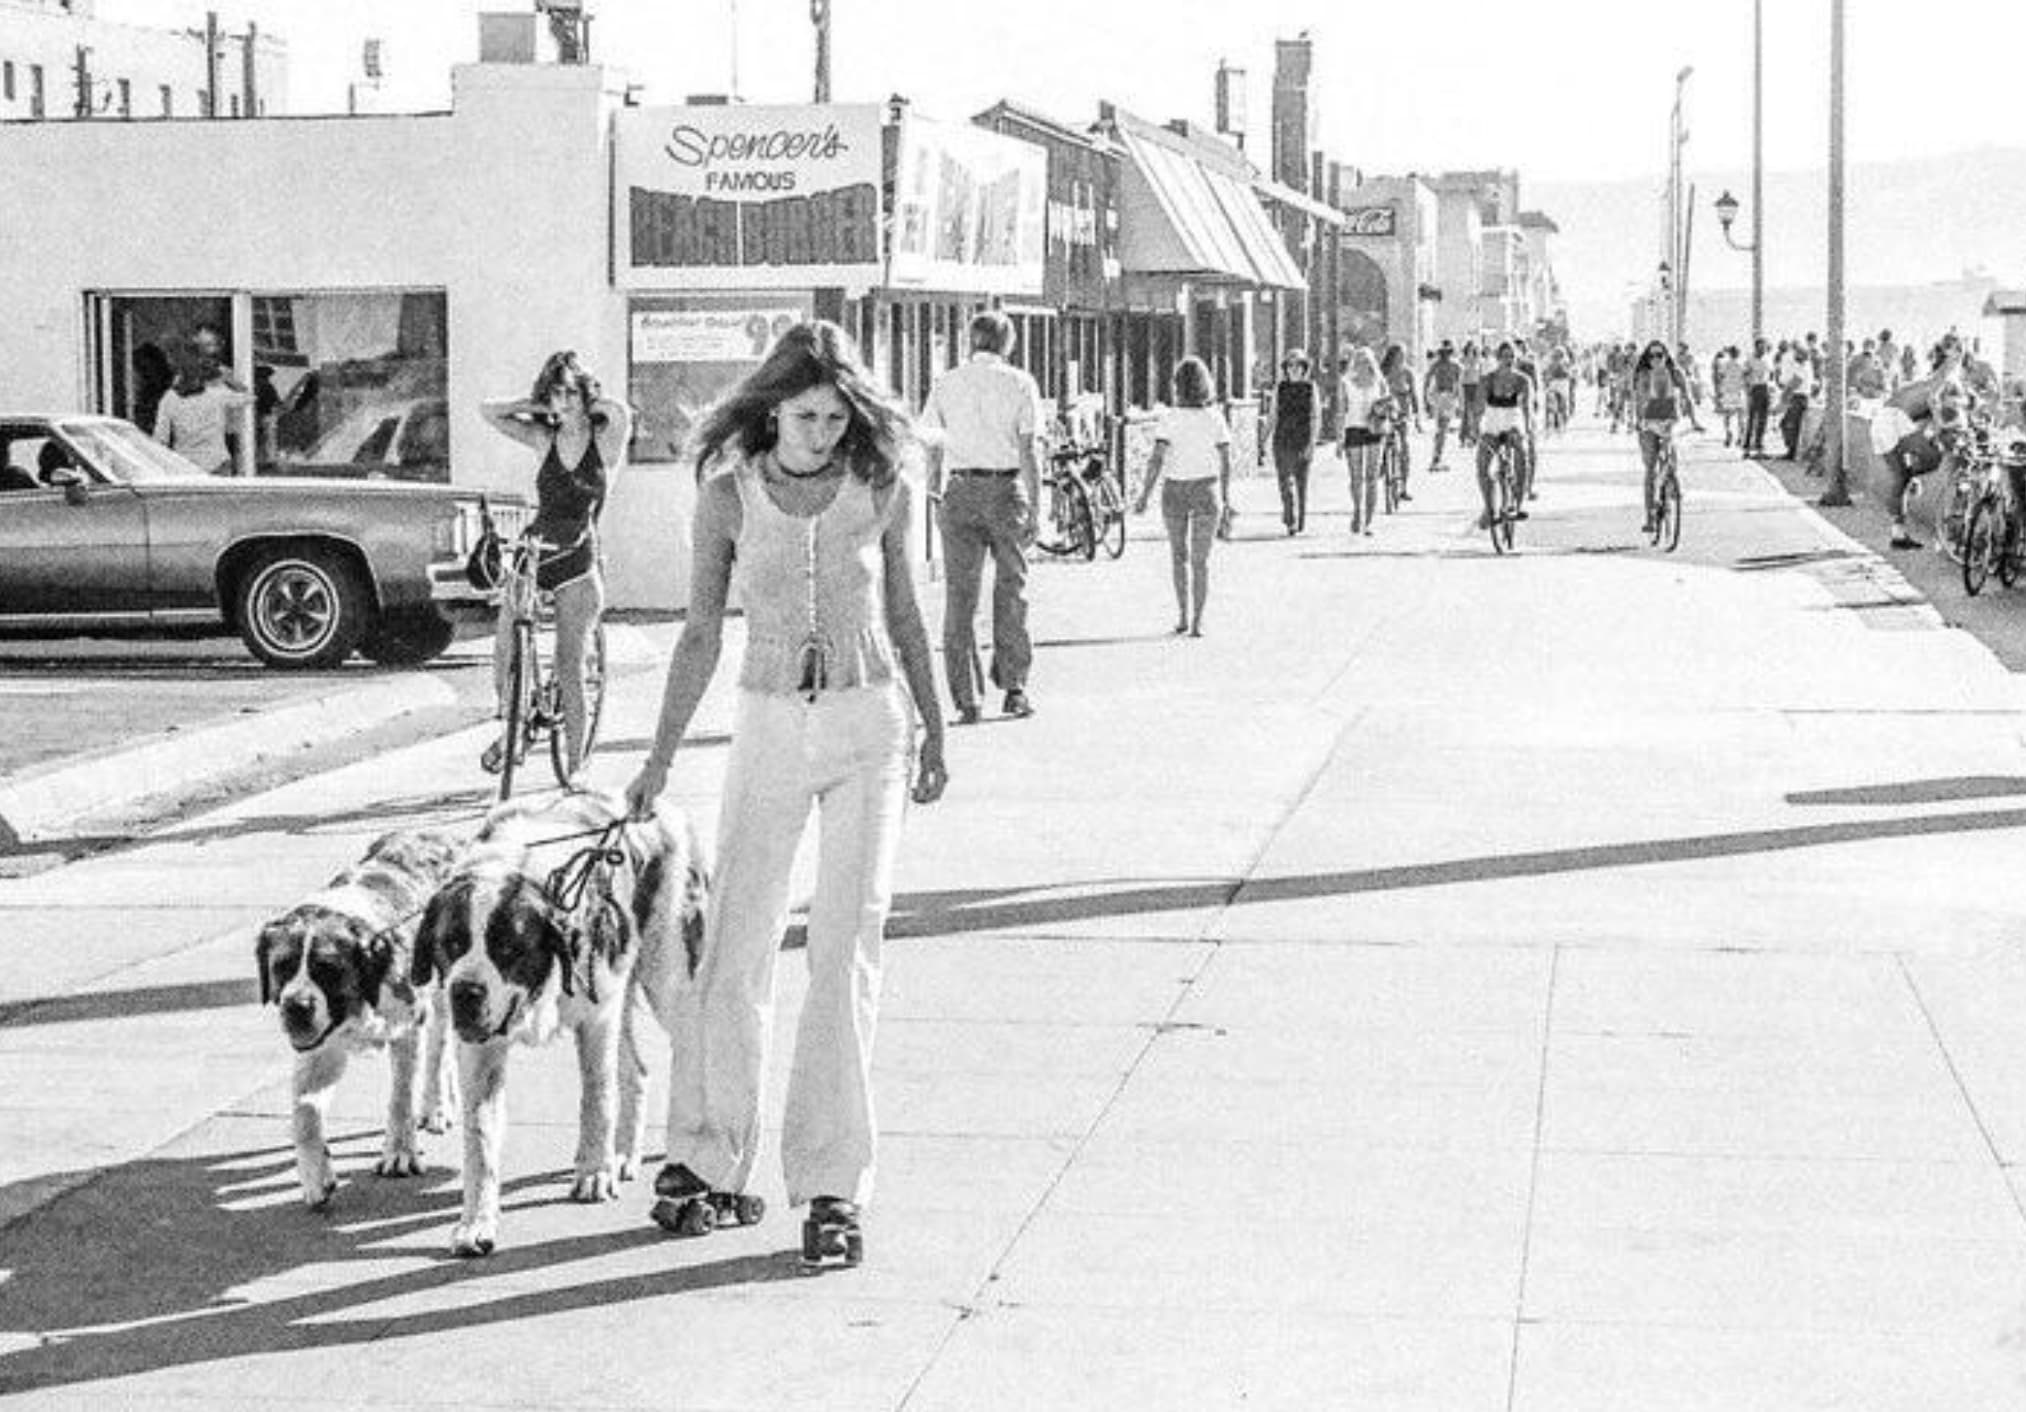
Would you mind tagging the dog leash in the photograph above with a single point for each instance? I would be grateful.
(566, 884)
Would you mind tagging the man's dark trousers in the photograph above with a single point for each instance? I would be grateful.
(983, 515)
(1758, 411)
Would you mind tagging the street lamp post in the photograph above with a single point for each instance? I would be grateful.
(1726, 213)
(1838, 490)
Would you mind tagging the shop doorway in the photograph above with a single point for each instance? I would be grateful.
(147, 344)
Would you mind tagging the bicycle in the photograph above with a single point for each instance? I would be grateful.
(1505, 492)
(1665, 530)
(533, 700)
(1067, 527)
(1995, 539)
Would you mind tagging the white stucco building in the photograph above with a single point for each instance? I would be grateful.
(57, 56)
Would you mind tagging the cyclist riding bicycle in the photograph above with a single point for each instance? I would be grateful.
(1661, 397)
(1508, 421)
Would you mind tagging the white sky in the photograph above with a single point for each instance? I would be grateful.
(1562, 90)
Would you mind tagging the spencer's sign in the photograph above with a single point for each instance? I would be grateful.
(747, 197)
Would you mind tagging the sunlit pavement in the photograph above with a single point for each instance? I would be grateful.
(1579, 979)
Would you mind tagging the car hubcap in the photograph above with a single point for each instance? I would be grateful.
(296, 608)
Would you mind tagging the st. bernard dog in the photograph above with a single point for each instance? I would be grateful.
(337, 964)
(563, 914)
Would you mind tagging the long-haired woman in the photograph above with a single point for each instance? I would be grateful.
(582, 437)
(803, 509)
(1661, 397)
(1361, 397)
(1192, 448)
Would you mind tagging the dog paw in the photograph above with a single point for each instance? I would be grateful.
(628, 1166)
(398, 1164)
(472, 1239)
(600, 1185)
(317, 1194)
(436, 1120)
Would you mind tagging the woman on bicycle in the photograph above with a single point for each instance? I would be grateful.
(1661, 397)
(804, 510)
(1363, 396)
(1406, 399)
(1192, 446)
(582, 437)
(1508, 421)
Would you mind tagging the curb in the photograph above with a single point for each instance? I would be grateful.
(47, 798)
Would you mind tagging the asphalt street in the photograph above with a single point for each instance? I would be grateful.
(1581, 979)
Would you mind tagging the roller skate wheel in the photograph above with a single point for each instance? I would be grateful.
(854, 1248)
(688, 1217)
(749, 1209)
(812, 1243)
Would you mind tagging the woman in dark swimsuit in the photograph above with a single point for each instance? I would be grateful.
(582, 438)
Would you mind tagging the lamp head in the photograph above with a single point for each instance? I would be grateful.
(1726, 209)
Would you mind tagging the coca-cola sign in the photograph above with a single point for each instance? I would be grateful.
(1370, 220)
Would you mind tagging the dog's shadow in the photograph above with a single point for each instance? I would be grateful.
(170, 1262)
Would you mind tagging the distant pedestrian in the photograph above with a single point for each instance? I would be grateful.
(1471, 365)
(1404, 397)
(1728, 377)
(1443, 391)
(988, 464)
(1192, 448)
(1291, 426)
(1758, 398)
(1363, 397)
(1795, 379)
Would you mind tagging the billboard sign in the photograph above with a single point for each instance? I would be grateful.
(970, 210)
(747, 197)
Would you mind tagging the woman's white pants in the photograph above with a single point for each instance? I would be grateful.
(847, 755)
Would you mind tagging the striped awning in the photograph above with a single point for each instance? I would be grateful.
(1183, 218)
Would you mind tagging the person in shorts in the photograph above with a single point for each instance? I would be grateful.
(1442, 389)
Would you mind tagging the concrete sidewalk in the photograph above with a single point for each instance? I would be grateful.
(1584, 979)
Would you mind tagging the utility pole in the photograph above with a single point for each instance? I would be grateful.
(81, 72)
(211, 103)
(249, 73)
(1838, 491)
(819, 16)
(1758, 170)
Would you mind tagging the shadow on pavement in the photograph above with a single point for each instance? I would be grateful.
(947, 913)
(416, 811)
(1939, 791)
(148, 1267)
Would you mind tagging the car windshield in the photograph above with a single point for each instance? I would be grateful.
(124, 452)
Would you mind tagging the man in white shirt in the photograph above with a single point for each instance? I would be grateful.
(989, 467)
(200, 417)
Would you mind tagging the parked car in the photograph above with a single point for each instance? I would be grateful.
(105, 531)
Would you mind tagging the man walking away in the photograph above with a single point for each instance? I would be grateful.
(1291, 427)
(988, 464)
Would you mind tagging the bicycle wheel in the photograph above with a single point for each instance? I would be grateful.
(594, 710)
(2008, 549)
(1054, 534)
(518, 705)
(1109, 509)
(1955, 519)
(1079, 533)
(1667, 512)
(1981, 544)
(1389, 478)
(1502, 506)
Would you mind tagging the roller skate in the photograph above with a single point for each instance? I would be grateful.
(686, 1206)
(830, 1234)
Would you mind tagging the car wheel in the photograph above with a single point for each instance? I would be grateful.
(302, 607)
(408, 639)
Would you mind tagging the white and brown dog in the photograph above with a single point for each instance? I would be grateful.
(338, 966)
(563, 915)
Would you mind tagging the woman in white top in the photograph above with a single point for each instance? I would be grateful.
(1364, 393)
(1192, 447)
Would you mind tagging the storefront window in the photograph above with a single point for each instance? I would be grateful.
(685, 351)
(353, 385)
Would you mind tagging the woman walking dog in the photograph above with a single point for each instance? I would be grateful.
(804, 511)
